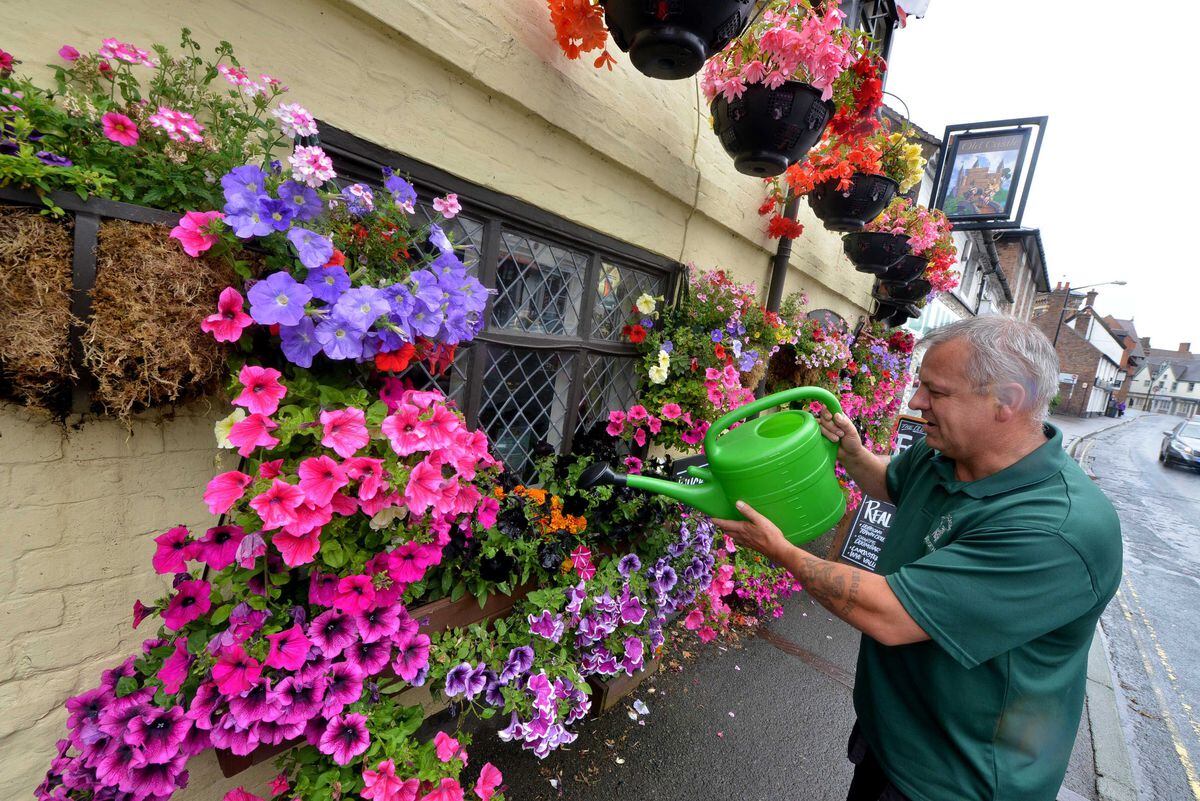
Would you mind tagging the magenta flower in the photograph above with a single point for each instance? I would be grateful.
(249, 549)
(279, 785)
(68, 53)
(189, 602)
(332, 632)
(252, 432)
(424, 488)
(446, 746)
(406, 431)
(412, 656)
(147, 779)
(175, 667)
(141, 612)
(218, 548)
(369, 657)
(345, 430)
(242, 794)
(277, 506)
(262, 391)
(368, 473)
(158, 732)
(174, 547)
(320, 478)
(120, 129)
(382, 784)
(354, 594)
(235, 671)
(377, 623)
(489, 781)
(343, 686)
(289, 648)
(345, 738)
(547, 625)
(223, 491)
(322, 587)
(194, 232)
(229, 321)
(447, 790)
(297, 549)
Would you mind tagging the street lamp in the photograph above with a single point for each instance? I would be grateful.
(1067, 296)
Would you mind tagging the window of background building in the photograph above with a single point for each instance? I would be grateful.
(550, 362)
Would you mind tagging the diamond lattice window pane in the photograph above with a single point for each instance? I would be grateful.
(453, 382)
(539, 287)
(465, 232)
(524, 401)
(616, 291)
(609, 382)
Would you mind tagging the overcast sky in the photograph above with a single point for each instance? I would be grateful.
(1117, 188)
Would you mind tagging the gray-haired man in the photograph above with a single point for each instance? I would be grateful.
(1001, 557)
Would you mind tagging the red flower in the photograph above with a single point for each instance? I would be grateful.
(337, 259)
(784, 227)
(635, 333)
(396, 361)
(719, 350)
(767, 206)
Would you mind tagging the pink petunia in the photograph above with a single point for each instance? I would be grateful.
(447, 790)
(412, 655)
(489, 781)
(406, 431)
(289, 649)
(174, 669)
(447, 747)
(174, 547)
(485, 513)
(191, 600)
(447, 206)
(68, 53)
(424, 488)
(253, 431)
(694, 620)
(271, 469)
(320, 478)
(354, 594)
(236, 671)
(229, 321)
(194, 231)
(250, 548)
(262, 391)
(219, 546)
(241, 794)
(671, 411)
(120, 129)
(277, 506)
(441, 427)
(345, 430)
(368, 473)
(279, 785)
(224, 490)
(382, 784)
(297, 549)
(309, 517)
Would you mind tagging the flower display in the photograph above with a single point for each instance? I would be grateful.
(928, 233)
(579, 28)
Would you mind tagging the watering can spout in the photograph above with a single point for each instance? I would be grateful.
(707, 496)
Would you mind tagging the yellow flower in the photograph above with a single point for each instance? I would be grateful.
(658, 374)
(645, 303)
(224, 426)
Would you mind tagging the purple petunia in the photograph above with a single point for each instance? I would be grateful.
(344, 686)
(327, 283)
(465, 680)
(53, 159)
(300, 343)
(277, 213)
(547, 625)
(332, 632)
(345, 738)
(520, 660)
(438, 238)
(302, 200)
(243, 186)
(247, 220)
(278, 299)
(361, 307)
(629, 565)
(359, 199)
(339, 340)
(313, 249)
(403, 193)
(717, 335)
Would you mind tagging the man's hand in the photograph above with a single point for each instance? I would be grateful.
(838, 428)
(755, 532)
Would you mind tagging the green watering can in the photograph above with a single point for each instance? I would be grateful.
(781, 464)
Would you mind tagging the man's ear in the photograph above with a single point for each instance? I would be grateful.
(1010, 398)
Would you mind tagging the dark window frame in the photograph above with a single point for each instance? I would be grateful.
(357, 159)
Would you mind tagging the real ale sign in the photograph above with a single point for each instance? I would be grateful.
(868, 530)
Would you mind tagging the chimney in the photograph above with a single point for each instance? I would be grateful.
(1185, 347)
(1146, 343)
(1091, 298)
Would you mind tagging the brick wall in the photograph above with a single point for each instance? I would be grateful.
(1075, 355)
(79, 508)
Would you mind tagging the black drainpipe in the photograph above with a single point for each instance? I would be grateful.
(783, 255)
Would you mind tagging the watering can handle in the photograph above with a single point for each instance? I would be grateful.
(823, 396)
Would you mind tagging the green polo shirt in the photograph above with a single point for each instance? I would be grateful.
(1008, 576)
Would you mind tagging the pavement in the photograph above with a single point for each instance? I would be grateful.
(767, 717)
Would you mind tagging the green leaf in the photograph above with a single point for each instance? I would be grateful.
(460, 589)
(127, 685)
(257, 602)
(221, 614)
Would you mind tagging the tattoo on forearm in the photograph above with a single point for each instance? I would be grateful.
(852, 595)
(834, 586)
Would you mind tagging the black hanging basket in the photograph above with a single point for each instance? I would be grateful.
(912, 291)
(851, 210)
(894, 315)
(767, 130)
(907, 269)
(671, 39)
(875, 252)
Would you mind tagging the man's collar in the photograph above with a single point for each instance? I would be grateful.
(1048, 459)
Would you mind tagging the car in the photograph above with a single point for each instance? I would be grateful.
(1181, 445)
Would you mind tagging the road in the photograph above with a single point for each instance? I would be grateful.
(1151, 625)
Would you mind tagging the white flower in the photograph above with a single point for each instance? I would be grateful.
(645, 303)
(387, 517)
(664, 359)
(223, 427)
(658, 374)
(311, 166)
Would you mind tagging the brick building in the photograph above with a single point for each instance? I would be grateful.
(1090, 353)
(1133, 356)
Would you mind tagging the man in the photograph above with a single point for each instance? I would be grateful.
(1000, 559)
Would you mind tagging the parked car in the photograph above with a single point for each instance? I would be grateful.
(1181, 445)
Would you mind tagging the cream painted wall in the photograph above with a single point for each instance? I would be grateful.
(475, 87)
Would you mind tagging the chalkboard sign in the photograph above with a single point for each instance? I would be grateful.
(873, 518)
(679, 468)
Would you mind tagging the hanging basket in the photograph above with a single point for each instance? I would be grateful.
(894, 315)
(913, 291)
(875, 252)
(767, 130)
(907, 269)
(671, 39)
(851, 210)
